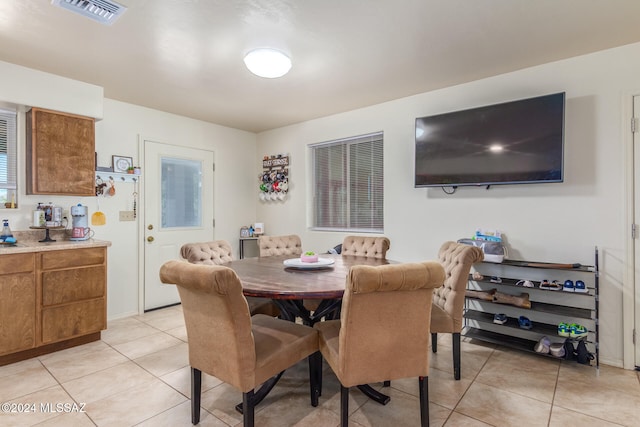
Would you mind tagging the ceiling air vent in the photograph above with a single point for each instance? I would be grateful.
(105, 12)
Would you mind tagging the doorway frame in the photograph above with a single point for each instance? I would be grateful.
(629, 288)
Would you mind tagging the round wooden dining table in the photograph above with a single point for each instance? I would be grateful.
(288, 287)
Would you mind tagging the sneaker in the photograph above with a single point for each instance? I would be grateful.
(557, 349)
(582, 354)
(555, 286)
(500, 318)
(496, 279)
(543, 346)
(577, 331)
(569, 351)
(524, 323)
(581, 287)
(563, 329)
(544, 284)
(568, 286)
(525, 283)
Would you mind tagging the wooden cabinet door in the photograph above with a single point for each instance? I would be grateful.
(60, 153)
(17, 303)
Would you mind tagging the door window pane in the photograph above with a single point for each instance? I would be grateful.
(181, 189)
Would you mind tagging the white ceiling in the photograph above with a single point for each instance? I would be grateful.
(185, 56)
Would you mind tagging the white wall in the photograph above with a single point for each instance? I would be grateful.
(560, 222)
(123, 126)
(118, 133)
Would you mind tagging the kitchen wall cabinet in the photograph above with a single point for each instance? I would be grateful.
(60, 156)
(50, 300)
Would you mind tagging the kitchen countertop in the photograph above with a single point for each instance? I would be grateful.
(35, 246)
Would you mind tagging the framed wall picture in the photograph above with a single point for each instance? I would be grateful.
(121, 163)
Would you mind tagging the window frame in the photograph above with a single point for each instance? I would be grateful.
(10, 170)
(349, 182)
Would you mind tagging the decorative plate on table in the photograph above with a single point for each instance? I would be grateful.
(297, 263)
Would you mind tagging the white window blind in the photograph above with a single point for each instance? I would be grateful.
(348, 180)
(8, 155)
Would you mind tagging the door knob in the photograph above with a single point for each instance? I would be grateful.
(150, 227)
(150, 239)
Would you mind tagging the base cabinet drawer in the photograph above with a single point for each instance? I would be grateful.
(64, 286)
(72, 320)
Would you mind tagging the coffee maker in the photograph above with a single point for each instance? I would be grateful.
(79, 222)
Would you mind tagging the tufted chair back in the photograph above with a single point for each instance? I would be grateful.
(225, 341)
(371, 247)
(220, 252)
(280, 245)
(208, 253)
(383, 331)
(448, 299)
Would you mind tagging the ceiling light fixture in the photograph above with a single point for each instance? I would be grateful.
(266, 62)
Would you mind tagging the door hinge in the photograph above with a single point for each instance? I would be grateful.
(633, 231)
(634, 124)
(214, 223)
(213, 166)
(634, 336)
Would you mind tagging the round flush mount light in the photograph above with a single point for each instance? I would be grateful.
(269, 63)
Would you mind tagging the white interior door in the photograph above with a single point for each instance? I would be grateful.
(178, 210)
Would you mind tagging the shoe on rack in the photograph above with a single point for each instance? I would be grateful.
(555, 286)
(496, 279)
(563, 329)
(581, 287)
(544, 284)
(557, 349)
(524, 323)
(500, 318)
(543, 345)
(569, 351)
(577, 331)
(568, 286)
(582, 354)
(525, 283)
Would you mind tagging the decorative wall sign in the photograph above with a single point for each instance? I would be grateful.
(274, 180)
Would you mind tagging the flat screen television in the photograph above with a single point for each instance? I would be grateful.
(517, 142)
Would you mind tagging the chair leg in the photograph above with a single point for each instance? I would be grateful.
(424, 401)
(344, 406)
(248, 406)
(196, 390)
(434, 342)
(315, 376)
(456, 355)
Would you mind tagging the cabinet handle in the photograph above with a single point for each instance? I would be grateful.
(150, 239)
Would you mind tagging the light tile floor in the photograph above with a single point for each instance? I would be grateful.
(138, 375)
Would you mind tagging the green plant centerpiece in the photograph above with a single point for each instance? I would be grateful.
(309, 256)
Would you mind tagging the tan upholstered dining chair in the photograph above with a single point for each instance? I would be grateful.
(371, 247)
(383, 333)
(448, 299)
(280, 245)
(219, 252)
(227, 342)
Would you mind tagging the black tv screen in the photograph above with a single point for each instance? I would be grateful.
(514, 142)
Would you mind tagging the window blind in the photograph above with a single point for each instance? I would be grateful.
(348, 181)
(8, 156)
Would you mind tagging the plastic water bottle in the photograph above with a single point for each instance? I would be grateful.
(7, 235)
